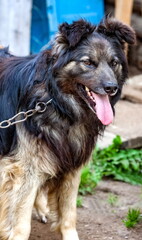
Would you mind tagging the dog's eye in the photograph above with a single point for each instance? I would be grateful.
(87, 62)
(114, 63)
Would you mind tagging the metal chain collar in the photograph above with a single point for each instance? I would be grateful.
(22, 116)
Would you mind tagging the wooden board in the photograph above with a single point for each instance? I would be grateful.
(123, 10)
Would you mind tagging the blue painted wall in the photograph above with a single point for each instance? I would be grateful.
(47, 14)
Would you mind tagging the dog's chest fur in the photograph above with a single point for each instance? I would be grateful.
(59, 148)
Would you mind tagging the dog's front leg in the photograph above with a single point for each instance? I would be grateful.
(22, 229)
(17, 195)
(67, 205)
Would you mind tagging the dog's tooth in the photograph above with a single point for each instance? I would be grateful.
(87, 89)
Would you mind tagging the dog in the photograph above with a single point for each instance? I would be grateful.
(53, 106)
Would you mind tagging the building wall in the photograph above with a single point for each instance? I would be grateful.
(15, 25)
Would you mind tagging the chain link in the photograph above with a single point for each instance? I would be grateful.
(22, 116)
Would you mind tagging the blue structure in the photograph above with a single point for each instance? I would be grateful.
(47, 14)
(39, 26)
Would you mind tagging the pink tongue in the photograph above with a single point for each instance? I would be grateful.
(103, 108)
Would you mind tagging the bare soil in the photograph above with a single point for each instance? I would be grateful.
(98, 220)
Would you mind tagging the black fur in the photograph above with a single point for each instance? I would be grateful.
(117, 31)
(75, 32)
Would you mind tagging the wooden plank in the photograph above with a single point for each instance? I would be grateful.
(123, 10)
(15, 19)
(137, 5)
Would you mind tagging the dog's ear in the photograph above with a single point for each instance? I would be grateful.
(115, 29)
(73, 33)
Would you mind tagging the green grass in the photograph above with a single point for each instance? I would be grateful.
(132, 218)
(79, 201)
(112, 199)
(123, 165)
(89, 179)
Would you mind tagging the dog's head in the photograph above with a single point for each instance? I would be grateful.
(90, 62)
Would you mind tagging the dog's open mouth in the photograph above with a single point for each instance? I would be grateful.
(100, 104)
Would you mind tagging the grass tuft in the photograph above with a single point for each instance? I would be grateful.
(112, 199)
(79, 202)
(132, 218)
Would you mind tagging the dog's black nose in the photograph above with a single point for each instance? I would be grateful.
(111, 88)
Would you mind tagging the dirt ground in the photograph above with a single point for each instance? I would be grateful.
(98, 219)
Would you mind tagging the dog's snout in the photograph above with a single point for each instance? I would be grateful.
(111, 88)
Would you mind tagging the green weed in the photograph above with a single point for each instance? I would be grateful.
(79, 201)
(123, 165)
(112, 199)
(89, 179)
(132, 218)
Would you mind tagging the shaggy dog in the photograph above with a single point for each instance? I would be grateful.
(53, 106)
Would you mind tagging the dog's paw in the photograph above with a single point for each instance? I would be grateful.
(40, 217)
(43, 219)
(70, 234)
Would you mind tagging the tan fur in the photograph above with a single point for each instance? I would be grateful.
(62, 204)
(17, 192)
(22, 179)
(70, 66)
(41, 205)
